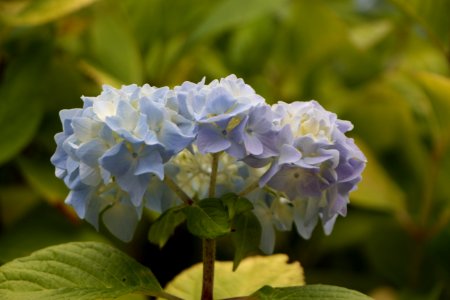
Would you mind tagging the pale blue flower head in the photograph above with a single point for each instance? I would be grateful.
(121, 138)
(217, 108)
(318, 168)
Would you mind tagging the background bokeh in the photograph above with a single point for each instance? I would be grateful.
(382, 64)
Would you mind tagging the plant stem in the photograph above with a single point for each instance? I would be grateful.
(214, 167)
(249, 188)
(209, 245)
(180, 193)
(209, 256)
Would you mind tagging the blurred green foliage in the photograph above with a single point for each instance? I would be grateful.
(382, 64)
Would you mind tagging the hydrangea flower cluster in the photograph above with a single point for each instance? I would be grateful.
(117, 152)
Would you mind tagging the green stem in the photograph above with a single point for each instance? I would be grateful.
(214, 167)
(180, 193)
(249, 188)
(209, 256)
(209, 245)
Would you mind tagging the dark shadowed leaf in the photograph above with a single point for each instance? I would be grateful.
(246, 236)
(165, 225)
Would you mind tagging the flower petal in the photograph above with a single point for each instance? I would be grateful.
(211, 140)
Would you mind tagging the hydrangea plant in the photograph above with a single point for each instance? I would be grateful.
(215, 156)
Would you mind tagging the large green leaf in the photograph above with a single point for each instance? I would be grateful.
(35, 12)
(207, 219)
(253, 273)
(165, 225)
(308, 292)
(77, 270)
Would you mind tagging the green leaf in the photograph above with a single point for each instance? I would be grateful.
(308, 292)
(207, 219)
(165, 225)
(269, 270)
(41, 176)
(246, 236)
(236, 205)
(81, 271)
(20, 110)
(37, 12)
(114, 50)
(230, 13)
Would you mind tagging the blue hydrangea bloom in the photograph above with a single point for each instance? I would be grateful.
(115, 152)
(118, 142)
(318, 168)
(217, 108)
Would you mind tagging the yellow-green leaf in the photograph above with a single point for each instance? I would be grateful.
(252, 274)
(368, 35)
(36, 12)
(114, 49)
